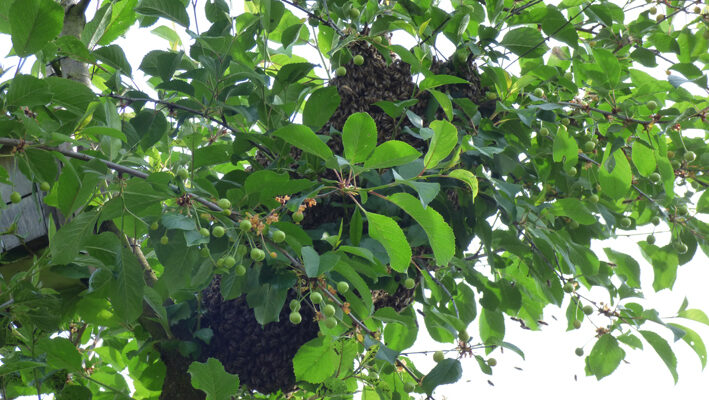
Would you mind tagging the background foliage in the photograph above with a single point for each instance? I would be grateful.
(245, 158)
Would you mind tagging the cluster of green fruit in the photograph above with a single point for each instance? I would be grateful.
(327, 310)
(16, 197)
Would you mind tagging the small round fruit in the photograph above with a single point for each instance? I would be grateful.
(330, 322)
(341, 71)
(343, 287)
(651, 105)
(182, 173)
(625, 222)
(164, 240)
(579, 351)
(670, 154)
(295, 317)
(464, 336)
(154, 226)
(409, 283)
(245, 225)
(329, 310)
(653, 10)
(594, 198)
(218, 231)
(278, 236)
(257, 254)
(491, 362)
(312, 21)
(377, 39)
(204, 252)
(15, 197)
(588, 310)
(573, 224)
(229, 261)
(220, 262)
(409, 387)
(491, 95)
(240, 270)
(676, 164)
(358, 59)
(568, 287)
(697, 10)
(681, 247)
(315, 297)
(572, 171)
(565, 121)
(577, 324)
(650, 239)
(224, 203)
(204, 232)
(354, 13)
(544, 132)
(682, 209)
(655, 220)
(539, 92)
(660, 17)
(273, 254)
(241, 250)
(689, 156)
(438, 356)
(569, 76)
(298, 216)
(294, 305)
(589, 146)
(44, 186)
(655, 177)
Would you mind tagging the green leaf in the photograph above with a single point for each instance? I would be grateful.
(435, 81)
(387, 232)
(554, 24)
(211, 378)
(359, 137)
(174, 10)
(320, 106)
(34, 23)
(694, 341)
(664, 264)
(315, 361)
(440, 235)
(311, 261)
(445, 137)
(615, 181)
(128, 287)
(445, 372)
(492, 326)
(565, 148)
(663, 349)
(467, 177)
(151, 125)
(605, 357)
(61, 353)
(626, 267)
(113, 55)
(574, 209)
(391, 153)
(213, 154)
(96, 132)
(444, 101)
(643, 158)
(525, 42)
(694, 315)
(608, 62)
(26, 90)
(67, 241)
(303, 138)
(703, 203)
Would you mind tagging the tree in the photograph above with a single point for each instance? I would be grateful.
(273, 213)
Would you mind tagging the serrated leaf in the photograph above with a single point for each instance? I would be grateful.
(315, 361)
(169, 9)
(320, 106)
(127, 290)
(61, 353)
(387, 232)
(445, 372)
(468, 177)
(113, 55)
(694, 341)
(33, 23)
(605, 357)
(211, 378)
(440, 235)
(26, 90)
(643, 158)
(615, 182)
(492, 326)
(695, 315)
(525, 42)
(565, 148)
(574, 209)
(305, 139)
(444, 101)
(435, 81)
(67, 241)
(663, 349)
(359, 137)
(391, 153)
(445, 137)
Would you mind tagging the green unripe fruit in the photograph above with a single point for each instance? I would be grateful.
(569, 76)
(655, 220)
(164, 240)
(44, 186)
(650, 239)
(680, 247)
(182, 173)
(568, 287)
(278, 236)
(660, 17)
(655, 177)
(544, 132)
(573, 224)
(220, 262)
(218, 231)
(295, 317)
(491, 95)
(358, 59)
(651, 105)
(15, 197)
(676, 164)
(343, 287)
(354, 13)
(154, 226)
(240, 270)
(229, 261)
(491, 362)
(409, 283)
(588, 310)
(204, 252)
(330, 322)
(409, 387)
(224, 203)
(653, 10)
(341, 71)
(577, 324)
(257, 254)
(329, 310)
(539, 92)
(689, 156)
(464, 336)
(579, 352)
(572, 171)
(204, 232)
(565, 121)
(383, 386)
(298, 216)
(438, 356)
(315, 298)
(241, 250)
(312, 21)
(625, 222)
(594, 198)
(294, 305)
(682, 209)
(245, 225)
(589, 146)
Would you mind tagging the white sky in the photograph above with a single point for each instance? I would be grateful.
(550, 364)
